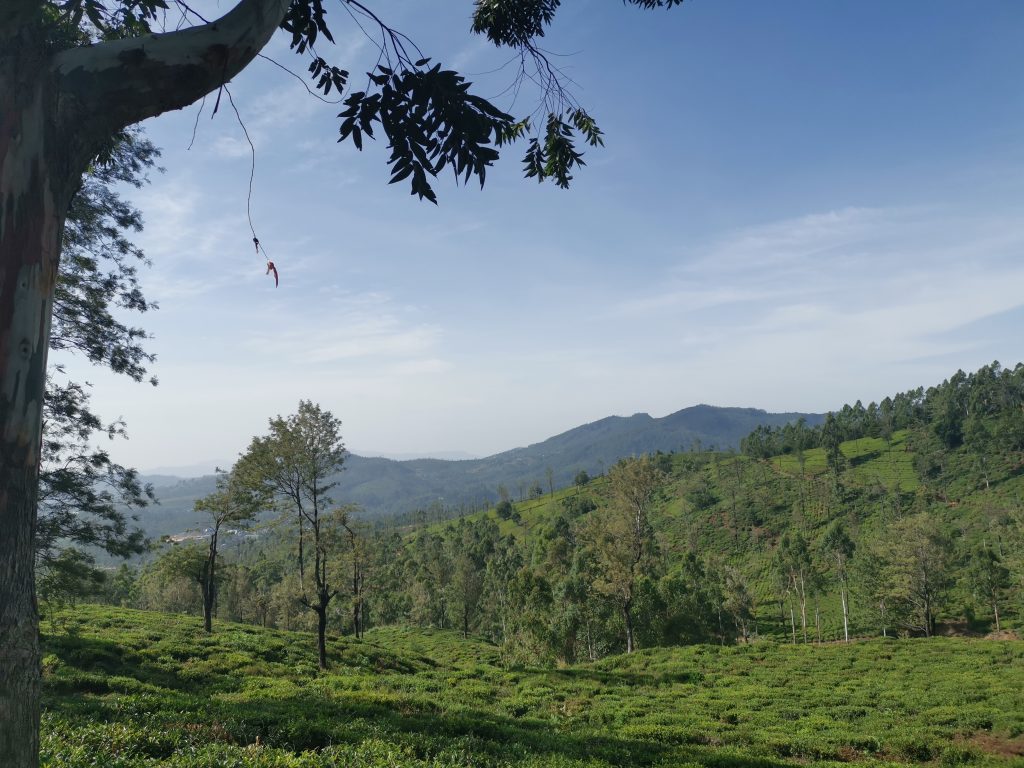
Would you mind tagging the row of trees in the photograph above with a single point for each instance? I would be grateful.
(984, 410)
(904, 578)
(592, 581)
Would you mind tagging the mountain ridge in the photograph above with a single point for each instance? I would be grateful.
(385, 487)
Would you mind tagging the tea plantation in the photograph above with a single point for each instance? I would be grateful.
(126, 689)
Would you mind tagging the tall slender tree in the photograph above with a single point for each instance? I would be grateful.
(297, 462)
(838, 548)
(359, 557)
(989, 578)
(233, 502)
(918, 556)
(793, 561)
(624, 539)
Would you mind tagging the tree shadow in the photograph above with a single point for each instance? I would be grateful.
(87, 655)
(864, 458)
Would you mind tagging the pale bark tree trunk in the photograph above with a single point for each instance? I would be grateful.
(846, 616)
(34, 195)
(627, 616)
(56, 112)
(803, 608)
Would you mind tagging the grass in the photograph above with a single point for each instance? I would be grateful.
(128, 689)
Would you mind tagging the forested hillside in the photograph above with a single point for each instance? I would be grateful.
(899, 518)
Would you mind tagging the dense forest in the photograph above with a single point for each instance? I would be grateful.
(899, 518)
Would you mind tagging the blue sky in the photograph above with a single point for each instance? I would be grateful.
(799, 204)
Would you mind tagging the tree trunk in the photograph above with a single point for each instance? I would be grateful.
(627, 615)
(19, 620)
(803, 608)
(321, 636)
(33, 203)
(846, 616)
(207, 605)
(210, 584)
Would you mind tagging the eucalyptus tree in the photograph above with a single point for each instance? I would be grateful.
(470, 546)
(831, 441)
(739, 602)
(358, 552)
(233, 502)
(296, 462)
(792, 562)
(989, 578)
(73, 73)
(838, 548)
(919, 559)
(623, 538)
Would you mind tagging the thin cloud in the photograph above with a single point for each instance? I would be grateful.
(368, 327)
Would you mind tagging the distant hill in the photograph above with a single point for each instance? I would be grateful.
(387, 487)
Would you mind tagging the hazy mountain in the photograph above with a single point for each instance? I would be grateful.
(385, 486)
(178, 472)
(446, 455)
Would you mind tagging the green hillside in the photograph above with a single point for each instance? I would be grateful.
(735, 510)
(131, 689)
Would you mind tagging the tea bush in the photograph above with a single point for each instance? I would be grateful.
(131, 689)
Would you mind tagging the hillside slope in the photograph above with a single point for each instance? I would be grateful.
(734, 509)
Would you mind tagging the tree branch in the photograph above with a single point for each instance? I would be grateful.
(120, 82)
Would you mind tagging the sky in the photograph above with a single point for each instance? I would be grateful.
(799, 204)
